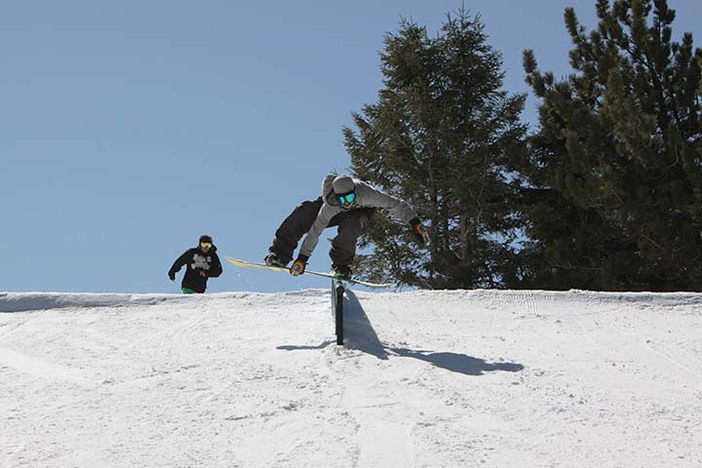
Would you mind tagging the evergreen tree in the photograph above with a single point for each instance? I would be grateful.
(438, 137)
(612, 185)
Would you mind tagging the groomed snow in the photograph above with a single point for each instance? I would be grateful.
(425, 379)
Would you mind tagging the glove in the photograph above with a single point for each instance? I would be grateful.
(171, 276)
(420, 233)
(298, 266)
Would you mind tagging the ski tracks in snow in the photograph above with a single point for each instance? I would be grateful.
(425, 379)
(384, 417)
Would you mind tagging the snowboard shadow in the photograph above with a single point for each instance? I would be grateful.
(322, 345)
(461, 363)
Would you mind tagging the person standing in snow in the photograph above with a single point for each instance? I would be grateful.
(201, 263)
(346, 203)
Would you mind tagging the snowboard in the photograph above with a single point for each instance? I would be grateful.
(246, 264)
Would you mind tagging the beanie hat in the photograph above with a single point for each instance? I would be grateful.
(205, 238)
(343, 185)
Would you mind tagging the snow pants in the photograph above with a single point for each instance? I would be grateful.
(350, 225)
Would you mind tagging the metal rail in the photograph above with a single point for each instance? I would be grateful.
(337, 295)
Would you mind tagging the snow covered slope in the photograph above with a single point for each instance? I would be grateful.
(426, 379)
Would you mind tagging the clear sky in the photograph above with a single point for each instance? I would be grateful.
(129, 128)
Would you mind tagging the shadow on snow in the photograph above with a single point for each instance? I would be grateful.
(360, 335)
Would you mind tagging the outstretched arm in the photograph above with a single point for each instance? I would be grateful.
(397, 207)
(326, 213)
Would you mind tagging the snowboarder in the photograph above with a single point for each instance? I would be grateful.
(201, 263)
(347, 203)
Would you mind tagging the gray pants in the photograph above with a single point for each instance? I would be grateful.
(350, 225)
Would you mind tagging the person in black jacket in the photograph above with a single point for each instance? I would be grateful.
(201, 263)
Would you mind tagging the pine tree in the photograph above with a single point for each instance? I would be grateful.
(612, 185)
(438, 137)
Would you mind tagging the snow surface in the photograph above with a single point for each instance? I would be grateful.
(425, 379)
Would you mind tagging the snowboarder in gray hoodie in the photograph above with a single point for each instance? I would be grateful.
(347, 203)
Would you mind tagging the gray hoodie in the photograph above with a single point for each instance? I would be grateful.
(366, 197)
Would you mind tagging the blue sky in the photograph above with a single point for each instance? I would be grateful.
(129, 128)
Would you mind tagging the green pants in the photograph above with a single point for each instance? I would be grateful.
(189, 291)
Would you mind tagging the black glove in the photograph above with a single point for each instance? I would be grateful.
(420, 233)
(171, 276)
(298, 266)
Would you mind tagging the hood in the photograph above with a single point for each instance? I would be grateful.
(328, 192)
